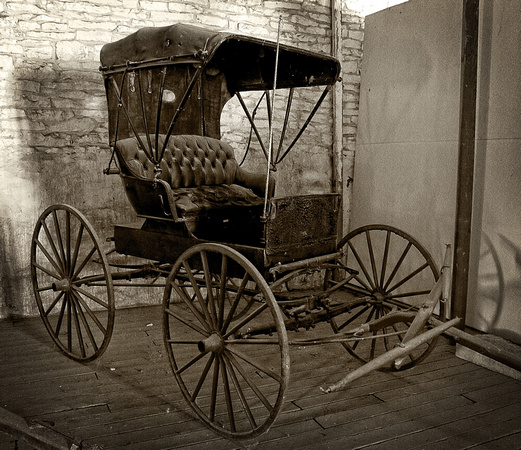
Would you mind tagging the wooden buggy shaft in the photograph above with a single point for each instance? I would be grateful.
(393, 354)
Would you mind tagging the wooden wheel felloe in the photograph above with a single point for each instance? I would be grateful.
(218, 310)
(72, 283)
(394, 273)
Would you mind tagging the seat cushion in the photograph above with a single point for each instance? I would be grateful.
(188, 160)
(204, 199)
(201, 171)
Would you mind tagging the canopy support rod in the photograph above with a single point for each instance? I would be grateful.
(158, 115)
(286, 120)
(311, 114)
(121, 105)
(252, 123)
(182, 103)
(143, 108)
(268, 107)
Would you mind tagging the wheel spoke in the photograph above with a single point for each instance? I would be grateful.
(69, 323)
(74, 260)
(60, 318)
(362, 266)
(58, 232)
(188, 302)
(87, 326)
(240, 392)
(68, 238)
(371, 255)
(89, 312)
(369, 317)
(222, 290)
(195, 286)
(368, 289)
(247, 319)
(354, 317)
(188, 323)
(238, 297)
(250, 383)
(208, 278)
(50, 239)
(227, 394)
(398, 265)
(386, 340)
(49, 258)
(48, 272)
(191, 363)
(203, 376)
(215, 383)
(373, 341)
(258, 366)
(91, 296)
(386, 255)
(53, 304)
(84, 263)
(397, 331)
(79, 334)
(408, 277)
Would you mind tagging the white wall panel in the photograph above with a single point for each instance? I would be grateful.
(407, 146)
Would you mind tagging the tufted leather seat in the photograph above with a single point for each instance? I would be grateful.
(202, 173)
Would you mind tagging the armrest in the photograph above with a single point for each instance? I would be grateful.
(255, 181)
(170, 199)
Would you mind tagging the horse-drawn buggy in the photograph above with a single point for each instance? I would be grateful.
(241, 268)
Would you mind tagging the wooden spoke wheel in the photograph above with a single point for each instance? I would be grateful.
(72, 283)
(394, 273)
(226, 340)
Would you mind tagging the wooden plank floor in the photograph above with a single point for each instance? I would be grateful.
(128, 398)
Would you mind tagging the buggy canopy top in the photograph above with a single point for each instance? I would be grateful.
(246, 62)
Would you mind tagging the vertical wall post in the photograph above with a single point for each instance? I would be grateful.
(337, 155)
(467, 136)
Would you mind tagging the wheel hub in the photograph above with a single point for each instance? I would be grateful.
(213, 343)
(379, 297)
(62, 285)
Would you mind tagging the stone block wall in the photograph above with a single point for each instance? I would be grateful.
(53, 120)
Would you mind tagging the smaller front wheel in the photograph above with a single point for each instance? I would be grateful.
(226, 340)
(395, 273)
(72, 283)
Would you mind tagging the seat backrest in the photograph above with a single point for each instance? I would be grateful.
(188, 161)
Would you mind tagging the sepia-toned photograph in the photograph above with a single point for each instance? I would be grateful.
(260, 224)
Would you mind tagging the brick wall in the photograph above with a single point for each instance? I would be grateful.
(53, 127)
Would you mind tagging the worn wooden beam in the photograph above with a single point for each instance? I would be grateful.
(37, 437)
(465, 181)
(480, 345)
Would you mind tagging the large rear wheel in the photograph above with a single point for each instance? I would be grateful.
(394, 273)
(226, 340)
(72, 283)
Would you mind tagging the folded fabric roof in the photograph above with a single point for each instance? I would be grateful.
(247, 62)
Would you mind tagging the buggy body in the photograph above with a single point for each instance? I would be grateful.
(166, 89)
